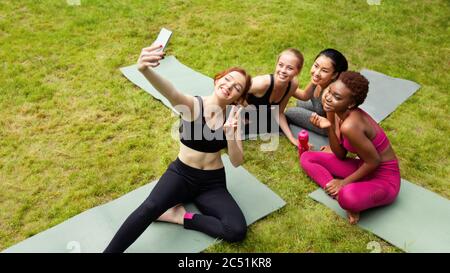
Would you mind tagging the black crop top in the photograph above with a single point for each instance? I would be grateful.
(265, 99)
(197, 135)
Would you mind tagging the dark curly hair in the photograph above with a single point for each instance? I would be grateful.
(358, 85)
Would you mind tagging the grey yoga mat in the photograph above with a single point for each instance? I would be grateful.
(418, 220)
(92, 230)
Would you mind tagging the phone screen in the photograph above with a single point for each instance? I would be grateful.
(163, 38)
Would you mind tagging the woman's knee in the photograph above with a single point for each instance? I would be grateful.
(290, 114)
(235, 232)
(149, 208)
(305, 159)
(348, 198)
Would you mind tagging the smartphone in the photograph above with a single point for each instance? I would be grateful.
(163, 38)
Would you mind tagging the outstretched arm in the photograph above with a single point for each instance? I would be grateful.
(149, 58)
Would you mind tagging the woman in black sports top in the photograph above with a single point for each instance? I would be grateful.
(276, 89)
(197, 174)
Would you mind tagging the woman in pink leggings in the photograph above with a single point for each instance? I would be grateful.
(372, 179)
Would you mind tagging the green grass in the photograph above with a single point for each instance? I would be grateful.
(74, 133)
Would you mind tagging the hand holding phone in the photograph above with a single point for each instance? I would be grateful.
(163, 38)
(150, 56)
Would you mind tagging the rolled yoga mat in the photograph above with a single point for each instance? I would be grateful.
(92, 230)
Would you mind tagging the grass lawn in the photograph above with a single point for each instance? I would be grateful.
(75, 133)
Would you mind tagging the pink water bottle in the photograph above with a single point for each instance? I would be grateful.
(303, 139)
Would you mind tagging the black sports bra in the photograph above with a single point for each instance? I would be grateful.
(265, 99)
(197, 135)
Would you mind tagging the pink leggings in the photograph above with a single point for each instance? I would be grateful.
(377, 189)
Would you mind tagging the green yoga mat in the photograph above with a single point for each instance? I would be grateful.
(93, 229)
(418, 220)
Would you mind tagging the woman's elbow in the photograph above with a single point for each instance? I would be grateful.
(374, 163)
(237, 162)
(339, 153)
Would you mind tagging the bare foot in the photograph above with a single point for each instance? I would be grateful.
(353, 217)
(173, 215)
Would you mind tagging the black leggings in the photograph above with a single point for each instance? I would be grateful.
(221, 216)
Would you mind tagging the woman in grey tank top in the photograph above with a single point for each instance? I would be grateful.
(325, 70)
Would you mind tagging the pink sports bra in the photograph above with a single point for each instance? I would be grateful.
(380, 141)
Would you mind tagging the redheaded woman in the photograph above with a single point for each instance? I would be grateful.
(197, 175)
